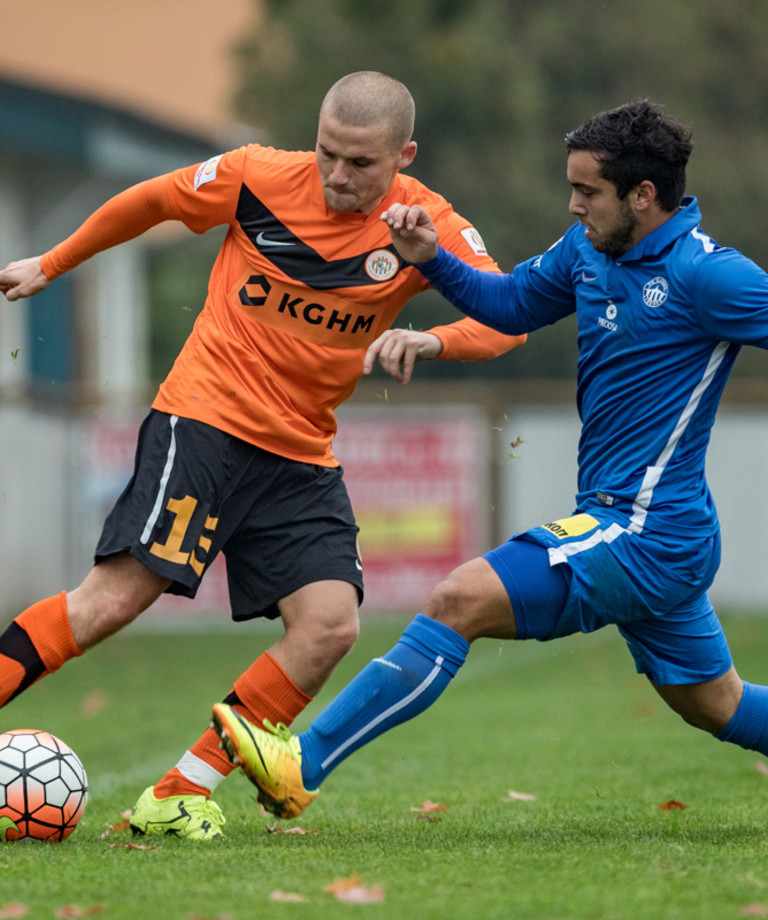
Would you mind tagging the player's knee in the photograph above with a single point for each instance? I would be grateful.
(455, 602)
(448, 599)
(473, 602)
(342, 637)
(332, 636)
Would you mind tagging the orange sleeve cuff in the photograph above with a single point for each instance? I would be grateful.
(468, 340)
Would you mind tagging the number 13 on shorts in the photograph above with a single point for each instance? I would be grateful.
(183, 509)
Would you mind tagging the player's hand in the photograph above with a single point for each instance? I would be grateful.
(22, 279)
(399, 349)
(412, 232)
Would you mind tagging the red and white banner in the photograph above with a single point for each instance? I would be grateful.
(417, 481)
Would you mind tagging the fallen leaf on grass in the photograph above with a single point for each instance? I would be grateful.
(93, 703)
(762, 767)
(428, 807)
(115, 828)
(513, 796)
(13, 909)
(672, 805)
(352, 891)
(287, 897)
(753, 910)
(131, 846)
(73, 911)
(299, 831)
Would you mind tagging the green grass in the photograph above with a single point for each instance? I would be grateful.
(568, 722)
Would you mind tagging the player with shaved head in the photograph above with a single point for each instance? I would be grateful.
(235, 455)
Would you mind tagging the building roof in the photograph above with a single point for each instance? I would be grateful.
(44, 124)
(175, 60)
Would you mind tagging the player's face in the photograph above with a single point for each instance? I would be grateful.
(357, 165)
(611, 224)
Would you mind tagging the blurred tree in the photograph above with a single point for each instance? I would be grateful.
(498, 83)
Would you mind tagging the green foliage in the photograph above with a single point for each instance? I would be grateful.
(568, 722)
(497, 85)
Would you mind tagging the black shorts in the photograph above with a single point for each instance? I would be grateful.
(196, 491)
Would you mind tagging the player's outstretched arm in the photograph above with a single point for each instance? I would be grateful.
(399, 349)
(412, 231)
(22, 279)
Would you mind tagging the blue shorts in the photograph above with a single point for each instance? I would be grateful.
(578, 575)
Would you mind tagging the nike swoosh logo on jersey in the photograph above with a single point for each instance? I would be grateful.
(261, 240)
(270, 236)
(588, 279)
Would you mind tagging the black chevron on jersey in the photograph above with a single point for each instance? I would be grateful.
(294, 257)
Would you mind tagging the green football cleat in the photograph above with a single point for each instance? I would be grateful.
(269, 757)
(194, 817)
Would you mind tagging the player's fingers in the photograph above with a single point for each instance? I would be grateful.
(390, 356)
(374, 350)
(407, 362)
(395, 215)
(11, 291)
(370, 358)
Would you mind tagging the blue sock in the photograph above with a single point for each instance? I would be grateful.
(388, 691)
(749, 725)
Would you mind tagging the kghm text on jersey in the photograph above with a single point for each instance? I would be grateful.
(257, 292)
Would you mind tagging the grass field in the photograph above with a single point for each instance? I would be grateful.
(569, 723)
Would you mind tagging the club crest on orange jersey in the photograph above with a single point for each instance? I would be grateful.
(381, 265)
(475, 241)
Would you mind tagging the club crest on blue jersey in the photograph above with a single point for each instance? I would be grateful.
(655, 292)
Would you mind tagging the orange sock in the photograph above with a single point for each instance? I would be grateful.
(264, 691)
(36, 643)
(267, 692)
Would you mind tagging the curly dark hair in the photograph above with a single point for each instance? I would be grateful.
(638, 141)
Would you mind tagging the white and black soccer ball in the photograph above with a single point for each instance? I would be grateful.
(43, 786)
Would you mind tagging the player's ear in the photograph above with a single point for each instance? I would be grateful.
(644, 194)
(407, 155)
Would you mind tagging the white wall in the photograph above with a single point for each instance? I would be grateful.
(538, 485)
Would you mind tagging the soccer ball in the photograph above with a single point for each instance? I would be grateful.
(43, 786)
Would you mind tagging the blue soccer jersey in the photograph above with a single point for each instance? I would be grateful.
(659, 330)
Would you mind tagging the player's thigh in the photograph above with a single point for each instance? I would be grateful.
(536, 592)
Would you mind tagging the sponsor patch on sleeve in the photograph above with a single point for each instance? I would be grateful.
(206, 172)
(475, 241)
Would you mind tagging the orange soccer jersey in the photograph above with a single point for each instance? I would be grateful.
(295, 296)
